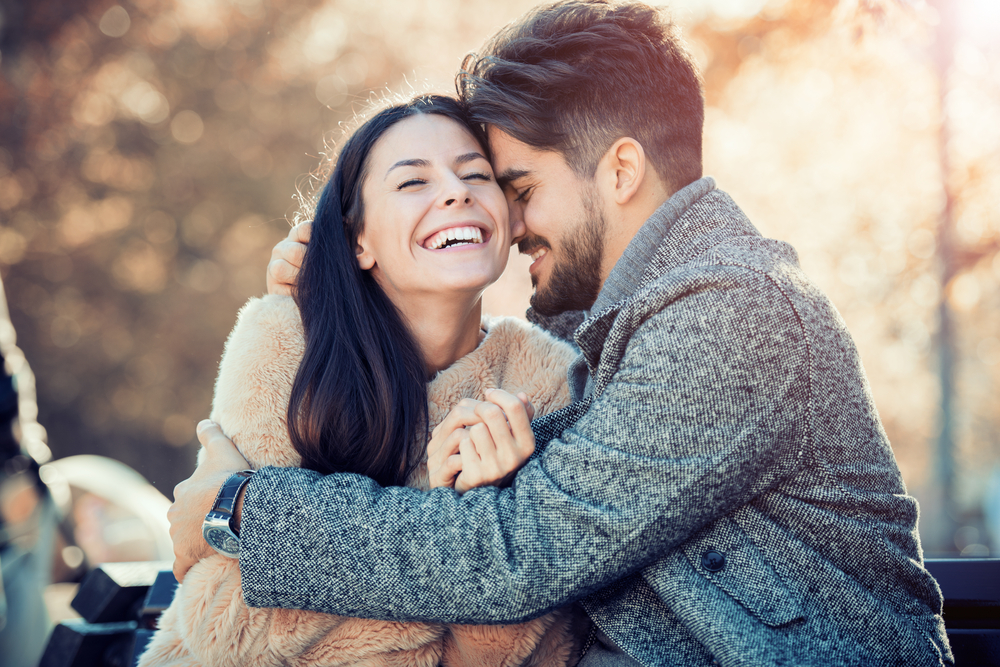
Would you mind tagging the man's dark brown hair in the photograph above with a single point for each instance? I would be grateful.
(575, 76)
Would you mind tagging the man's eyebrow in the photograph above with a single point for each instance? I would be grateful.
(416, 162)
(507, 177)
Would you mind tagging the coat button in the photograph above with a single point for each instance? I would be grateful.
(713, 561)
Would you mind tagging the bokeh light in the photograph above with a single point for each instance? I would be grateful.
(151, 152)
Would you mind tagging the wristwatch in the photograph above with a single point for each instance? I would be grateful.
(218, 526)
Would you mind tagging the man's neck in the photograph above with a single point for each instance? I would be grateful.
(624, 222)
(631, 263)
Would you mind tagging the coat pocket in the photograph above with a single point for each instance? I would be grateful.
(727, 556)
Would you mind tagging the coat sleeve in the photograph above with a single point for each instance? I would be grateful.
(707, 408)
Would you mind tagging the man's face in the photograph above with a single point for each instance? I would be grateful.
(556, 219)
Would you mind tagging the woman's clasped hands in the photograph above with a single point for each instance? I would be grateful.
(481, 443)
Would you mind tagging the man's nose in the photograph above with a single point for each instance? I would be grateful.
(518, 229)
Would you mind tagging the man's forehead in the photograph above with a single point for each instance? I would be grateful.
(511, 158)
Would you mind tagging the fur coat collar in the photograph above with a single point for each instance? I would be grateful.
(208, 622)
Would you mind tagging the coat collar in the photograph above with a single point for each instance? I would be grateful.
(694, 219)
(630, 272)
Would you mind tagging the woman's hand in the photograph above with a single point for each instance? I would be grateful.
(286, 259)
(482, 443)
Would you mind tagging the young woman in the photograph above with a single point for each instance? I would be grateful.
(384, 337)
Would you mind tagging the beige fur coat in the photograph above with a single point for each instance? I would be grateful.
(208, 623)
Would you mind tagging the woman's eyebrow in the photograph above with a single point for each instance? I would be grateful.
(469, 157)
(416, 162)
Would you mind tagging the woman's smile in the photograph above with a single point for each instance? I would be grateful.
(456, 237)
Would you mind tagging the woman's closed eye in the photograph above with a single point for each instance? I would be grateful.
(474, 176)
(477, 175)
(410, 182)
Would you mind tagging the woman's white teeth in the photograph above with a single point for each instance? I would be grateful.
(454, 236)
(538, 253)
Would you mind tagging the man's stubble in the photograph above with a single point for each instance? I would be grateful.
(575, 278)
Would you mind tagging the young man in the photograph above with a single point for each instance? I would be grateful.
(722, 491)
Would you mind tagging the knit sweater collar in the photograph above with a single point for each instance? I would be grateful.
(627, 274)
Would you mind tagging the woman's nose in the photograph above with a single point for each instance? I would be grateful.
(456, 192)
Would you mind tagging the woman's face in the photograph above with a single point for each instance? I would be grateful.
(435, 219)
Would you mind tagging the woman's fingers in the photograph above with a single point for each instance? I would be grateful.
(438, 439)
(486, 449)
(527, 404)
(462, 415)
(445, 473)
(518, 419)
(442, 464)
(503, 448)
(492, 439)
(470, 477)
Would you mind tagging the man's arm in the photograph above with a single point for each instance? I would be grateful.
(193, 498)
(707, 409)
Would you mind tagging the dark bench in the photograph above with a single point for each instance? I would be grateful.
(971, 588)
(120, 602)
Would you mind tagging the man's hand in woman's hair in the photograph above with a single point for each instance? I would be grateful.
(286, 259)
(482, 443)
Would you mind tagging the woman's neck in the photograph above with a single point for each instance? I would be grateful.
(446, 329)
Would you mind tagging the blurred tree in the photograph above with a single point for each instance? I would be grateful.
(151, 153)
(150, 150)
(843, 128)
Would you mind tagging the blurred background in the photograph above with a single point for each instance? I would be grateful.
(151, 152)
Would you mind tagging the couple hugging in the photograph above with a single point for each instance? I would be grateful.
(678, 463)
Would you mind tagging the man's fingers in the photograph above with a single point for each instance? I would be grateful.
(292, 252)
(448, 471)
(211, 437)
(301, 232)
(219, 450)
(181, 566)
(280, 272)
(286, 259)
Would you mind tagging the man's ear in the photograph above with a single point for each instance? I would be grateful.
(366, 259)
(624, 170)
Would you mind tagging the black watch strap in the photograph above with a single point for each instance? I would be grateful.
(225, 502)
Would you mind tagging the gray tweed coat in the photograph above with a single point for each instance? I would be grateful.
(723, 493)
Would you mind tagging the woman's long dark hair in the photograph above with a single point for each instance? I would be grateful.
(359, 400)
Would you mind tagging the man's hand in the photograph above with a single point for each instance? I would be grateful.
(481, 443)
(286, 259)
(194, 496)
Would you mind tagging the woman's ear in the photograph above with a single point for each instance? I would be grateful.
(366, 259)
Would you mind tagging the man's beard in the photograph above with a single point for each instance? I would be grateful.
(575, 280)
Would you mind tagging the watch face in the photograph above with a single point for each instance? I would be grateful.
(222, 541)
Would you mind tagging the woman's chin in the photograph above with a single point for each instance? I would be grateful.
(471, 283)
